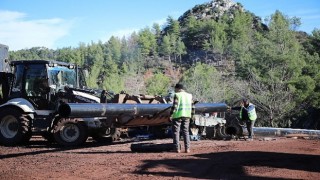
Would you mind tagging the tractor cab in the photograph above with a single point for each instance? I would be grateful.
(40, 81)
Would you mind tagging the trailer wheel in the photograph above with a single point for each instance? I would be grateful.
(220, 133)
(101, 138)
(70, 132)
(101, 135)
(115, 134)
(210, 132)
(14, 127)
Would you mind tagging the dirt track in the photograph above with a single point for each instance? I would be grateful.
(285, 158)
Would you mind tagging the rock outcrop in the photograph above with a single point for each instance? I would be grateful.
(212, 10)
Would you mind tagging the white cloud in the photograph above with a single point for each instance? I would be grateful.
(7, 16)
(18, 33)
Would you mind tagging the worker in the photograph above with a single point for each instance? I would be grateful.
(248, 115)
(181, 112)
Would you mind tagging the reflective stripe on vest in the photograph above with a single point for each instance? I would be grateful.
(184, 105)
(252, 114)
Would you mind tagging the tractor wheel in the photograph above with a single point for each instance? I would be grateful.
(14, 127)
(70, 132)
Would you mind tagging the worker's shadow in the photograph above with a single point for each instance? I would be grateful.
(229, 165)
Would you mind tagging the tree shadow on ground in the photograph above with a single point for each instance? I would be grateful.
(229, 165)
(42, 146)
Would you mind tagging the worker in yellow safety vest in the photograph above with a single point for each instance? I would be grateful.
(181, 112)
(248, 115)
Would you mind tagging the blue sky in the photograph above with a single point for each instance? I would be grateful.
(66, 23)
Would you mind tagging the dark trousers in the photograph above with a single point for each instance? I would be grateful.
(250, 125)
(176, 124)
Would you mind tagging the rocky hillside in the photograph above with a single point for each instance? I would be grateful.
(212, 10)
(197, 25)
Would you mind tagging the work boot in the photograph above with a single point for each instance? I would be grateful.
(188, 151)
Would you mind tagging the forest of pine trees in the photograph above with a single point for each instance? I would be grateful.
(221, 59)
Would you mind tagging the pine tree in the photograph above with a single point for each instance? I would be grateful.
(165, 47)
(158, 84)
(277, 65)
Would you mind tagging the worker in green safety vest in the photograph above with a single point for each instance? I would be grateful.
(181, 113)
(248, 115)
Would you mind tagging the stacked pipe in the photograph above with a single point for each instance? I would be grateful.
(87, 110)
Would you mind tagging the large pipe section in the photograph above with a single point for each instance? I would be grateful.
(238, 130)
(87, 110)
(269, 131)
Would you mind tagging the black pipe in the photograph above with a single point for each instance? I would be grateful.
(114, 109)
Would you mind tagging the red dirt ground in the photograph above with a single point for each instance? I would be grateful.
(279, 158)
